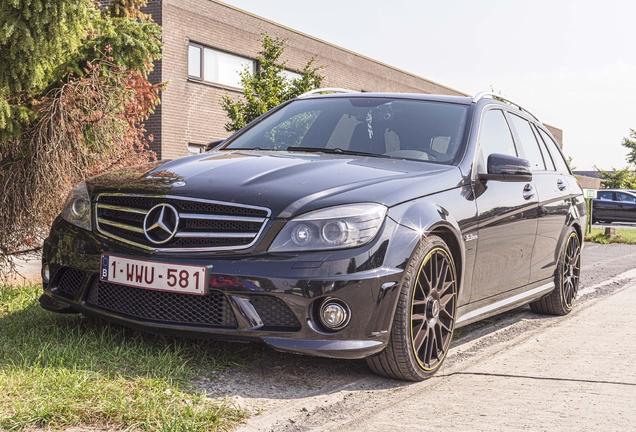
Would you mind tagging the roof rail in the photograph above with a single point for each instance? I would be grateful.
(325, 90)
(484, 94)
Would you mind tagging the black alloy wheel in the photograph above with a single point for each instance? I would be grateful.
(571, 270)
(566, 280)
(425, 316)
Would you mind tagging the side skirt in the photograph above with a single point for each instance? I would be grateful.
(474, 312)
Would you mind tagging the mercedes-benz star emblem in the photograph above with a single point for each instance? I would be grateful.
(161, 223)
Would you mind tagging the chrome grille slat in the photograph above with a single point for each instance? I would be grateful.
(203, 225)
(123, 209)
(120, 225)
(215, 235)
(221, 217)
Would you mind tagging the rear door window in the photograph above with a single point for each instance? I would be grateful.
(528, 143)
(547, 157)
(557, 156)
(623, 197)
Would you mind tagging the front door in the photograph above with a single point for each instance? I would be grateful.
(604, 206)
(507, 214)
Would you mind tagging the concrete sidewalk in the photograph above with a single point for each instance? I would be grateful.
(28, 271)
(578, 374)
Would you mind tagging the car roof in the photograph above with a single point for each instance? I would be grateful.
(489, 98)
(464, 100)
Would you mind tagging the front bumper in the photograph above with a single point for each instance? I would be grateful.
(272, 299)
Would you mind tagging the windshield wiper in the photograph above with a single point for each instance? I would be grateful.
(336, 150)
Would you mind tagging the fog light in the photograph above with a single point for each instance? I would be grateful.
(334, 314)
(46, 273)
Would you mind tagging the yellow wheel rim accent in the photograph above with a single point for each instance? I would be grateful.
(566, 264)
(450, 282)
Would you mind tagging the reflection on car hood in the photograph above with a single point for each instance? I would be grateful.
(286, 183)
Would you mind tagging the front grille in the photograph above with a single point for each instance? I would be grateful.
(211, 310)
(274, 312)
(71, 281)
(188, 224)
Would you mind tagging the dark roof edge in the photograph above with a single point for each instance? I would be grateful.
(337, 47)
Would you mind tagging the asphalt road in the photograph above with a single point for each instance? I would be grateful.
(518, 371)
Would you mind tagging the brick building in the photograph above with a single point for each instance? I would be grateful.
(206, 42)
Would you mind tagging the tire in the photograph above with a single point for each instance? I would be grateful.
(566, 280)
(425, 315)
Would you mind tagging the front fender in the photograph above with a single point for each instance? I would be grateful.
(424, 217)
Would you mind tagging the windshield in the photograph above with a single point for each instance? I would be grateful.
(398, 128)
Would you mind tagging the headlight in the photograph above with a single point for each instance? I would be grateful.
(331, 228)
(77, 209)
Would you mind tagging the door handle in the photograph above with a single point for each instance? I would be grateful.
(561, 184)
(528, 191)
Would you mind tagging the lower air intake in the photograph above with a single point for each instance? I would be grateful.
(211, 310)
(275, 313)
(70, 282)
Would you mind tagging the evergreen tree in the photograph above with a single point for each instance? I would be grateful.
(630, 144)
(618, 179)
(35, 37)
(73, 96)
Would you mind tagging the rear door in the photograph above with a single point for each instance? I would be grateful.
(552, 191)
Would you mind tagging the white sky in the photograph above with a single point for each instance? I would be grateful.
(572, 63)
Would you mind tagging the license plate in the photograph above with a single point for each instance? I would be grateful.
(153, 275)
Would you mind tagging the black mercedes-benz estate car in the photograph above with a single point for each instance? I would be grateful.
(350, 225)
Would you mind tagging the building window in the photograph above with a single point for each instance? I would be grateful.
(217, 66)
(195, 149)
(194, 61)
(292, 75)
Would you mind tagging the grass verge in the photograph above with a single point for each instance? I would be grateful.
(65, 370)
(626, 236)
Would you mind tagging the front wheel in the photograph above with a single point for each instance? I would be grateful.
(425, 316)
(566, 280)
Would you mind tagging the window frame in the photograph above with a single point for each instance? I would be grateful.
(611, 198)
(544, 149)
(201, 77)
(555, 147)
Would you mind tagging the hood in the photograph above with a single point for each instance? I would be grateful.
(286, 183)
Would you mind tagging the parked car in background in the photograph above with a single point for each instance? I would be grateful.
(352, 225)
(614, 205)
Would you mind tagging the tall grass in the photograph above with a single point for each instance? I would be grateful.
(66, 370)
(625, 235)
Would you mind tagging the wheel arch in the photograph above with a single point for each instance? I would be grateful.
(452, 240)
(425, 218)
(573, 222)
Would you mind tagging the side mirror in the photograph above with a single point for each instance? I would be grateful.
(507, 168)
(212, 144)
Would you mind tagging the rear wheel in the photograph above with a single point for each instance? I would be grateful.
(566, 280)
(425, 315)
